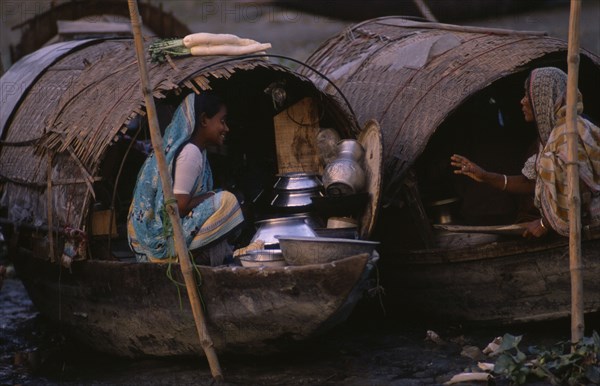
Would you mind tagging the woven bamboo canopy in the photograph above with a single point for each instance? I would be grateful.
(77, 105)
(411, 76)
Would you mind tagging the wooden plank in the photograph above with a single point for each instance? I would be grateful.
(371, 140)
(104, 223)
(296, 130)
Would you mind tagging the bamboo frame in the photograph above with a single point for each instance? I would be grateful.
(167, 185)
(575, 263)
(50, 205)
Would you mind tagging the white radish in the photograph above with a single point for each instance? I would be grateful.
(232, 50)
(468, 377)
(205, 38)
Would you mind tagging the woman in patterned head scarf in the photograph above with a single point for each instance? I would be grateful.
(207, 215)
(545, 172)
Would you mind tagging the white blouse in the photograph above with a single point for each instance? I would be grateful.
(190, 162)
(529, 168)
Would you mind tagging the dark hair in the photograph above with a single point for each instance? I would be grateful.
(207, 102)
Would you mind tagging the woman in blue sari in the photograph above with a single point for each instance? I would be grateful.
(207, 216)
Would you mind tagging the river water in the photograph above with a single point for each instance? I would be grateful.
(369, 349)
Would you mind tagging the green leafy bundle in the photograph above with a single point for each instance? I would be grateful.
(163, 47)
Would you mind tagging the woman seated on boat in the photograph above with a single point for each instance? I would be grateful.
(207, 216)
(544, 174)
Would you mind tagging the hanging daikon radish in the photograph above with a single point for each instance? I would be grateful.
(205, 38)
(229, 50)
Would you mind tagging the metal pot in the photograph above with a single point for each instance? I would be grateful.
(442, 211)
(300, 199)
(297, 181)
(345, 175)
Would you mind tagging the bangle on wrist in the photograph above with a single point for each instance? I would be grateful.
(505, 182)
(542, 224)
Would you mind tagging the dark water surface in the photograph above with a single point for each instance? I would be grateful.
(369, 349)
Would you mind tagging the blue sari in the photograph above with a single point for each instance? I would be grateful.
(148, 227)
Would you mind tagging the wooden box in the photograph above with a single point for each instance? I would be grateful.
(100, 223)
(296, 130)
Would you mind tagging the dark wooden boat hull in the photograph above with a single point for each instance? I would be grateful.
(495, 284)
(135, 310)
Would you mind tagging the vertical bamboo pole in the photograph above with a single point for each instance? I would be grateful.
(180, 245)
(576, 265)
(50, 207)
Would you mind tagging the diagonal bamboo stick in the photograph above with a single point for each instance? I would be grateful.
(575, 263)
(180, 245)
(425, 11)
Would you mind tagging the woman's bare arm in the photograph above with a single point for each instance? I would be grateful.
(513, 184)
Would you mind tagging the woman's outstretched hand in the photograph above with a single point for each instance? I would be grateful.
(535, 228)
(467, 168)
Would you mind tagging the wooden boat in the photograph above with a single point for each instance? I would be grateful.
(45, 27)
(133, 309)
(69, 160)
(443, 10)
(437, 90)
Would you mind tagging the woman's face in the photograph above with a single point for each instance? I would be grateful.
(527, 109)
(214, 129)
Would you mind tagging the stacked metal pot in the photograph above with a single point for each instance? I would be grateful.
(293, 192)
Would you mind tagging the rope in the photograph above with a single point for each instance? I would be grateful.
(239, 58)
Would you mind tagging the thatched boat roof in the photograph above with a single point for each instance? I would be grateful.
(411, 76)
(82, 98)
(82, 114)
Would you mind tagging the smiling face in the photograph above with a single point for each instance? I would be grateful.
(212, 131)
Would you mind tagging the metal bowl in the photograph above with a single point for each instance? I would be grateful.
(318, 250)
(263, 258)
(286, 226)
(297, 181)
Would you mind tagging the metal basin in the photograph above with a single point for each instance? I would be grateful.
(263, 258)
(286, 226)
(318, 250)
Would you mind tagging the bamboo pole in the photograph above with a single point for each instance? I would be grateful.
(425, 11)
(167, 185)
(50, 204)
(576, 265)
